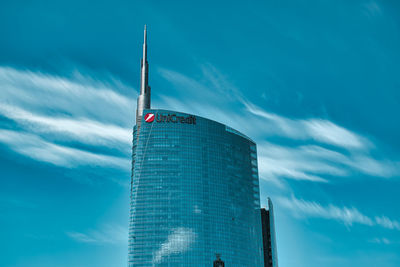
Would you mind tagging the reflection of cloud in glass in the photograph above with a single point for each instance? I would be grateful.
(178, 241)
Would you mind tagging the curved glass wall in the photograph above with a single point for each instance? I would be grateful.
(195, 194)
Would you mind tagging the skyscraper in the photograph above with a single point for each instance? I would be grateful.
(269, 237)
(194, 190)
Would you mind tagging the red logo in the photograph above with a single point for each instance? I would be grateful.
(149, 117)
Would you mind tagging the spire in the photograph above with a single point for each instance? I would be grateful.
(145, 66)
(143, 101)
(145, 43)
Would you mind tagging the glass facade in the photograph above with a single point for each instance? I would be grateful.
(194, 194)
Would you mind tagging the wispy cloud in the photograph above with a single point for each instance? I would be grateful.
(36, 148)
(387, 223)
(213, 86)
(313, 163)
(294, 162)
(78, 129)
(263, 124)
(107, 234)
(77, 96)
(320, 130)
(319, 149)
(178, 241)
(380, 241)
(49, 109)
(384, 241)
(372, 9)
(346, 215)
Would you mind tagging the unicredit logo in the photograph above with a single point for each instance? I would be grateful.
(173, 118)
(149, 117)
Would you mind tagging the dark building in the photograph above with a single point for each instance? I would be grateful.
(218, 262)
(269, 238)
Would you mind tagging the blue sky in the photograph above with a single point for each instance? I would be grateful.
(315, 83)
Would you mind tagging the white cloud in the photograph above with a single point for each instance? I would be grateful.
(387, 223)
(107, 234)
(323, 131)
(315, 163)
(305, 159)
(380, 241)
(49, 109)
(78, 96)
(384, 241)
(36, 148)
(330, 133)
(294, 163)
(178, 241)
(90, 112)
(215, 86)
(79, 129)
(348, 216)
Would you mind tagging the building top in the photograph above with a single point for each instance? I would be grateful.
(151, 115)
(144, 98)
